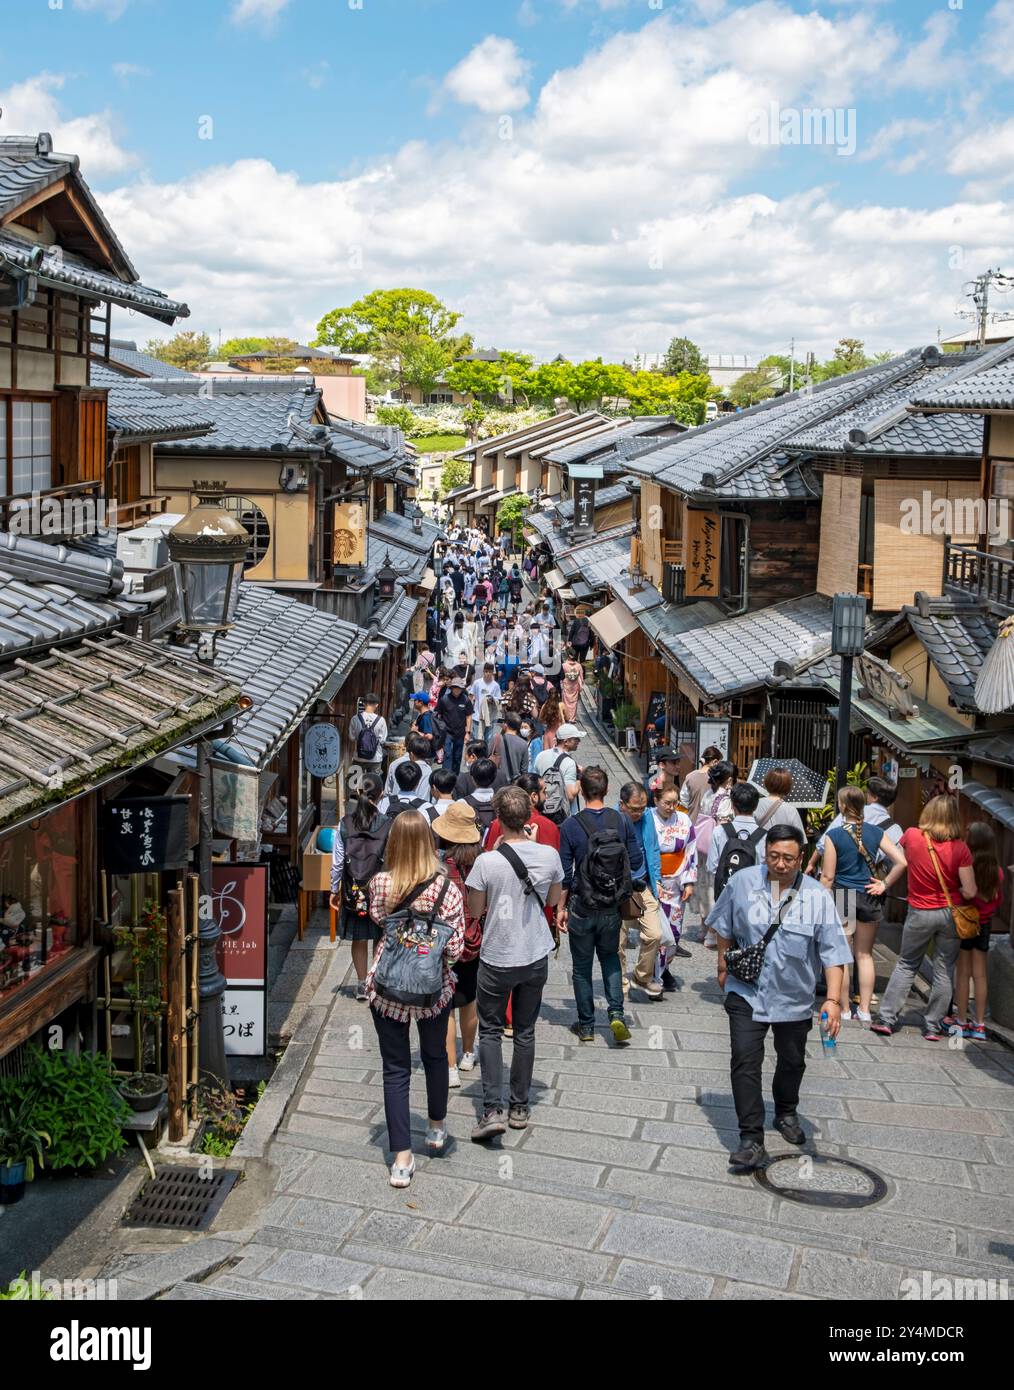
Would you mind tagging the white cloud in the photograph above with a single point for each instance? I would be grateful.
(998, 38)
(316, 75)
(493, 77)
(933, 63)
(630, 205)
(263, 12)
(989, 150)
(125, 71)
(112, 9)
(892, 134)
(33, 105)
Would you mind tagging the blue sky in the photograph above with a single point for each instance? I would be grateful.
(573, 174)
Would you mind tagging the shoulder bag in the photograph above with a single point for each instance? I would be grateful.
(746, 962)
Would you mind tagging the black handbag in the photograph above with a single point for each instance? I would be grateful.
(746, 962)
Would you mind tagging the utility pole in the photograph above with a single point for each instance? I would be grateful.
(979, 295)
(792, 363)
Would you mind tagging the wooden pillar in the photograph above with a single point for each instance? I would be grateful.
(175, 1011)
(295, 809)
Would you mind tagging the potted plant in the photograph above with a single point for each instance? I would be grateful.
(624, 717)
(21, 1143)
(146, 944)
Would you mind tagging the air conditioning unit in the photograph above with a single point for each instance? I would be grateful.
(144, 548)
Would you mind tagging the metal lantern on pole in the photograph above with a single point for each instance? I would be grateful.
(208, 548)
(848, 638)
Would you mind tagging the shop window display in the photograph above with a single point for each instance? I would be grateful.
(38, 897)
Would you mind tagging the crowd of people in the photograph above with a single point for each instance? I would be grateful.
(458, 873)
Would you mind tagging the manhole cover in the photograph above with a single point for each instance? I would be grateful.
(817, 1180)
(183, 1199)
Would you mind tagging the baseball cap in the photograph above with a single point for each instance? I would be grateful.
(538, 669)
(667, 755)
(566, 731)
(457, 680)
(421, 696)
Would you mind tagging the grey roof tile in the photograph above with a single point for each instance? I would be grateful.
(957, 643)
(248, 414)
(145, 364)
(135, 408)
(284, 653)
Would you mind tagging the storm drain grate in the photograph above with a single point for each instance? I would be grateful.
(182, 1199)
(821, 1180)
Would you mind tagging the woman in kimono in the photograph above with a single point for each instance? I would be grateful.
(677, 845)
(571, 685)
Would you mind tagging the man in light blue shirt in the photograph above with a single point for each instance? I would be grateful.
(809, 939)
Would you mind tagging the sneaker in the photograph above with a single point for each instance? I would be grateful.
(361, 992)
(885, 1030)
(679, 950)
(518, 1116)
(620, 1030)
(790, 1129)
(711, 939)
(952, 1021)
(401, 1177)
(584, 1032)
(491, 1124)
(975, 1031)
(453, 1079)
(669, 981)
(749, 1156)
(436, 1139)
(467, 1062)
(653, 990)
(860, 1017)
(931, 1035)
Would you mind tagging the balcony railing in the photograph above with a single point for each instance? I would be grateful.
(980, 575)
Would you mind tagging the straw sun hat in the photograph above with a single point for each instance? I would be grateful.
(457, 825)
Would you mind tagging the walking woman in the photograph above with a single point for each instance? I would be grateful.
(413, 872)
(850, 857)
(677, 845)
(358, 854)
(715, 809)
(522, 699)
(972, 956)
(458, 839)
(940, 875)
(572, 685)
(516, 586)
(550, 717)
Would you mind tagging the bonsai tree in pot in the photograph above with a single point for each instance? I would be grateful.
(21, 1143)
(146, 944)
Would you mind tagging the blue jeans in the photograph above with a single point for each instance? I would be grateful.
(597, 934)
(453, 750)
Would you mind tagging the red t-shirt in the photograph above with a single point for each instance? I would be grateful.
(924, 890)
(548, 834)
(988, 910)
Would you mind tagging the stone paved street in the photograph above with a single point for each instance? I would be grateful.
(619, 1188)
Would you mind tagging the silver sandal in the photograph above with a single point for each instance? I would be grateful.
(401, 1177)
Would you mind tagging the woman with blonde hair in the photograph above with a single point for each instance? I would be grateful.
(851, 851)
(414, 876)
(940, 875)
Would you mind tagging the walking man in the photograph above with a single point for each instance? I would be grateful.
(634, 808)
(454, 708)
(602, 860)
(511, 886)
(775, 903)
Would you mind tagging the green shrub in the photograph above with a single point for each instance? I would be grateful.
(77, 1105)
(625, 716)
(398, 415)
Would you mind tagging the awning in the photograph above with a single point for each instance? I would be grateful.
(614, 623)
(428, 581)
(586, 470)
(555, 579)
(376, 651)
(995, 802)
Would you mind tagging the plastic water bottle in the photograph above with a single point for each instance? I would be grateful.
(829, 1044)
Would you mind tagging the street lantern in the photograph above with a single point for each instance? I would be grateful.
(387, 577)
(848, 638)
(848, 624)
(209, 547)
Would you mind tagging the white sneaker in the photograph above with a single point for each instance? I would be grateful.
(453, 1079)
(860, 1017)
(467, 1062)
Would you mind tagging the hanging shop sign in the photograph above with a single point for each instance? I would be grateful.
(349, 534)
(239, 896)
(145, 834)
(702, 561)
(584, 504)
(322, 751)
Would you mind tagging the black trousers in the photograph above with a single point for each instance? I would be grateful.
(747, 1038)
(520, 987)
(396, 1051)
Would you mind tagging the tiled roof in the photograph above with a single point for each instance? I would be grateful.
(410, 564)
(36, 562)
(625, 432)
(988, 390)
(398, 528)
(393, 619)
(747, 455)
(996, 803)
(136, 409)
(127, 355)
(285, 655)
(74, 719)
(604, 497)
(36, 615)
(514, 436)
(957, 643)
(598, 561)
(249, 415)
(665, 623)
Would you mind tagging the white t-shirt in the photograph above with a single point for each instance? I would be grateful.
(378, 724)
(484, 690)
(568, 768)
(516, 932)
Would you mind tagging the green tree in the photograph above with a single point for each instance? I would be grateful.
(480, 380)
(752, 387)
(186, 349)
(455, 473)
(511, 513)
(421, 360)
(385, 315)
(849, 356)
(685, 395)
(550, 381)
(683, 356)
(242, 347)
(780, 363)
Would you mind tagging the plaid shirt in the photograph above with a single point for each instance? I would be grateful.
(452, 911)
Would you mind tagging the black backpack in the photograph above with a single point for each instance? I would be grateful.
(603, 876)
(397, 804)
(484, 813)
(738, 852)
(367, 742)
(364, 856)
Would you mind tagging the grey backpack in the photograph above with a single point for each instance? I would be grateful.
(411, 967)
